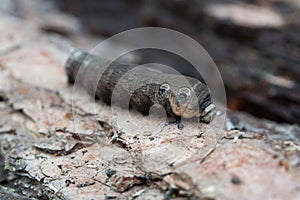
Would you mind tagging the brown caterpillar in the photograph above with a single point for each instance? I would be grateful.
(181, 96)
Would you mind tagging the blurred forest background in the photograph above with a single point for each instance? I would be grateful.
(255, 43)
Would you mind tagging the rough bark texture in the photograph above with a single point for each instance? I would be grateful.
(55, 151)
